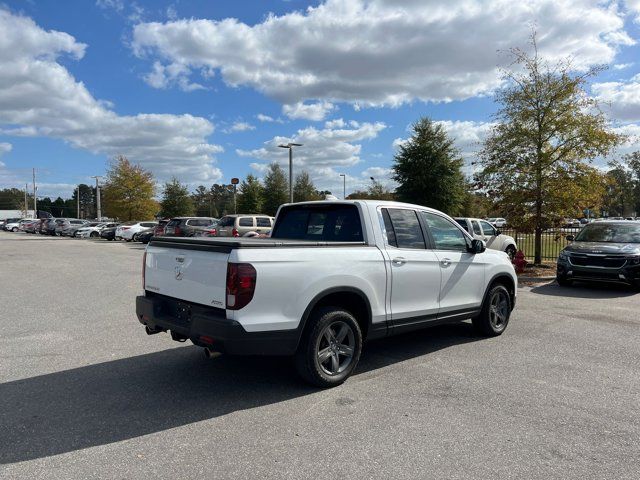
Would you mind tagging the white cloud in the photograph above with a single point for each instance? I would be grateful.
(308, 111)
(171, 75)
(337, 123)
(5, 148)
(264, 118)
(620, 99)
(632, 144)
(39, 97)
(323, 151)
(240, 127)
(622, 66)
(381, 52)
(633, 7)
(117, 5)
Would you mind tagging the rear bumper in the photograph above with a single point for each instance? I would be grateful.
(209, 327)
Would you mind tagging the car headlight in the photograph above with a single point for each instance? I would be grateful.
(634, 260)
(563, 257)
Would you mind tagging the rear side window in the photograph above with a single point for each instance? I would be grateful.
(331, 223)
(407, 232)
(476, 228)
(463, 223)
(263, 222)
(148, 224)
(226, 222)
(246, 222)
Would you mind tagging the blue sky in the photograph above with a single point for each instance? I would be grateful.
(206, 90)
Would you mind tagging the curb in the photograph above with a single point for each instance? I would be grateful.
(536, 279)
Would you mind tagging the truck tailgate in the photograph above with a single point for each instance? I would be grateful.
(193, 275)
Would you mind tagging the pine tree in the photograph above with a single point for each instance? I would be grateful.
(303, 189)
(250, 197)
(176, 201)
(276, 190)
(428, 169)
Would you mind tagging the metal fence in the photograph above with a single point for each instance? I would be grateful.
(553, 241)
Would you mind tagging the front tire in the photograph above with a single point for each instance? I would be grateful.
(511, 251)
(14, 229)
(563, 282)
(330, 347)
(495, 313)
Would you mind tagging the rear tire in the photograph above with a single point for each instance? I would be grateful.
(330, 347)
(563, 282)
(94, 234)
(14, 229)
(495, 313)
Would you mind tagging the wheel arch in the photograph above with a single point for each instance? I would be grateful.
(351, 298)
(508, 282)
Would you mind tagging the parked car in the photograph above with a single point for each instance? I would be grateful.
(186, 226)
(108, 233)
(69, 227)
(497, 222)
(2, 222)
(126, 230)
(571, 223)
(158, 230)
(332, 275)
(238, 225)
(31, 227)
(492, 236)
(12, 224)
(92, 229)
(145, 235)
(25, 221)
(602, 252)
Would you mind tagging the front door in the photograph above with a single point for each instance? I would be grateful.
(463, 272)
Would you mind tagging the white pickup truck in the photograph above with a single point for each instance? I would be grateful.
(333, 275)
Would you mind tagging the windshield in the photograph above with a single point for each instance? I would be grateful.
(610, 233)
(226, 221)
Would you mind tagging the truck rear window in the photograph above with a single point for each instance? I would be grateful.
(330, 223)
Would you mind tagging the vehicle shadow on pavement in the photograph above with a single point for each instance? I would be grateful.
(130, 397)
(585, 290)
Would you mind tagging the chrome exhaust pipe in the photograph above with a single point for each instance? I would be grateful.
(209, 353)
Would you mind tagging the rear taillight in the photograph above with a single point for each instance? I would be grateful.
(241, 283)
(212, 232)
(144, 268)
(125, 228)
(235, 233)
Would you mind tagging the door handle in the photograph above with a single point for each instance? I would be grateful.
(399, 261)
(445, 262)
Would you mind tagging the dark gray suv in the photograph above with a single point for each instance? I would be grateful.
(602, 252)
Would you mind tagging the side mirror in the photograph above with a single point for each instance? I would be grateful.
(570, 238)
(498, 232)
(477, 246)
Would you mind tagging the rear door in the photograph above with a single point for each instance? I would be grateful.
(462, 272)
(197, 276)
(263, 224)
(415, 270)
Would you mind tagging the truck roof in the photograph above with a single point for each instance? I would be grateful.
(370, 203)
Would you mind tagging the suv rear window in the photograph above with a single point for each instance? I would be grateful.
(337, 223)
(263, 221)
(226, 222)
(246, 222)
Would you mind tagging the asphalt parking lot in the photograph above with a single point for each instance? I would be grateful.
(85, 393)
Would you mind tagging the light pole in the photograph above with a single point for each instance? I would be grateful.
(99, 207)
(290, 147)
(344, 186)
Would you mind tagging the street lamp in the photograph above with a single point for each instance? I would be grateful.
(290, 147)
(344, 186)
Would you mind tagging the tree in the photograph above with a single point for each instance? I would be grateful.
(303, 189)
(619, 198)
(87, 201)
(128, 191)
(375, 191)
(548, 130)
(221, 199)
(632, 161)
(202, 202)
(428, 169)
(250, 199)
(276, 190)
(176, 201)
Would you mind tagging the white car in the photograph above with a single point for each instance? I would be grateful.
(332, 275)
(14, 224)
(93, 229)
(492, 236)
(497, 222)
(126, 230)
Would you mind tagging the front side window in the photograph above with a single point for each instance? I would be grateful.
(405, 229)
(446, 235)
(488, 229)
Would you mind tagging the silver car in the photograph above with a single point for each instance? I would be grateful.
(238, 225)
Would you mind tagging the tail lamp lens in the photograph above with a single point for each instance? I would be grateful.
(235, 233)
(241, 284)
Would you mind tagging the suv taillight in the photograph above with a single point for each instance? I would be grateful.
(241, 283)
(235, 233)
(144, 267)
